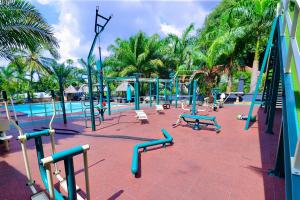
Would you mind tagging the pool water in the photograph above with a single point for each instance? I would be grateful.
(45, 109)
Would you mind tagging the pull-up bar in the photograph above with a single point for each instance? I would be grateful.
(98, 27)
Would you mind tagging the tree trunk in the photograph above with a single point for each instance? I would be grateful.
(229, 83)
(62, 99)
(229, 77)
(255, 64)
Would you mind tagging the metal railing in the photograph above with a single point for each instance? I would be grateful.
(293, 52)
(291, 70)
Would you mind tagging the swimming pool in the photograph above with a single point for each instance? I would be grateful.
(45, 109)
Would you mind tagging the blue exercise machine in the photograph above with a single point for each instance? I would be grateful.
(194, 120)
(68, 183)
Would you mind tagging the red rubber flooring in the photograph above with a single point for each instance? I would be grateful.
(231, 165)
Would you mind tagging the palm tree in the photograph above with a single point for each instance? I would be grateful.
(33, 61)
(84, 65)
(61, 72)
(22, 27)
(225, 50)
(178, 50)
(139, 54)
(7, 80)
(257, 15)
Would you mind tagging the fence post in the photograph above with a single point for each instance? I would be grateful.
(45, 107)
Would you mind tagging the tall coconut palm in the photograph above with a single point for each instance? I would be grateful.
(61, 72)
(139, 54)
(178, 50)
(34, 61)
(258, 16)
(22, 27)
(84, 65)
(7, 80)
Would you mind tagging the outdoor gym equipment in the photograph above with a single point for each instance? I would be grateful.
(281, 63)
(68, 184)
(67, 157)
(218, 103)
(125, 86)
(137, 80)
(196, 121)
(86, 107)
(98, 29)
(135, 157)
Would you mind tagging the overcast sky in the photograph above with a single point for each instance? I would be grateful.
(73, 20)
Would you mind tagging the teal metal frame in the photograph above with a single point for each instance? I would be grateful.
(177, 92)
(101, 90)
(259, 80)
(190, 88)
(66, 156)
(157, 91)
(289, 133)
(150, 94)
(98, 29)
(290, 121)
(135, 157)
(37, 136)
(137, 92)
(194, 111)
(196, 123)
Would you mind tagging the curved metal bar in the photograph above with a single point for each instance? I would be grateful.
(135, 160)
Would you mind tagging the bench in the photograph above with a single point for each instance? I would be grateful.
(141, 115)
(159, 108)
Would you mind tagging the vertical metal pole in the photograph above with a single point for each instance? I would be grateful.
(171, 90)
(177, 93)
(189, 93)
(50, 181)
(86, 170)
(90, 83)
(30, 108)
(108, 98)
(194, 98)
(165, 92)
(62, 100)
(69, 168)
(45, 108)
(91, 96)
(135, 96)
(150, 93)
(157, 91)
(71, 110)
(100, 84)
(269, 45)
(137, 90)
